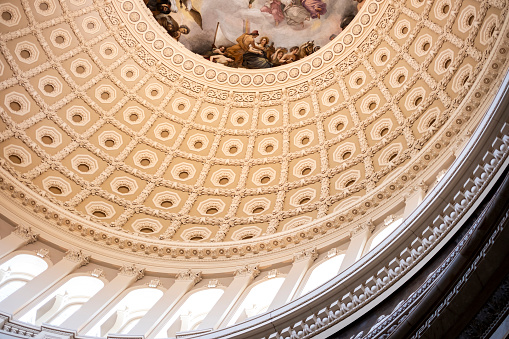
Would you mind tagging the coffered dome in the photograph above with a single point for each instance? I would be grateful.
(118, 140)
(119, 133)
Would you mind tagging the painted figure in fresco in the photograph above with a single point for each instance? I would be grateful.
(275, 8)
(306, 49)
(315, 8)
(277, 56)
(257, 58)
(245, 43)
(221, 59)
(172, 27)
(294, 13)
(291, 56)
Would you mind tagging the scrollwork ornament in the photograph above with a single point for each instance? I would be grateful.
(77, 256)
(26, 233)
(132, 271)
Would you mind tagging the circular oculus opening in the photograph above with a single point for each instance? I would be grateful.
(347, 155)
(431, 122)
(109, 143)
(15, 159)
(146, 230)
(304, 201)
(302, 112)
(77, 118)
(258, 210)
(404, 30)
(426, 46)
(90, 25)
(133, 117)
(233, 149)
(154, 92)
(198, 144)
(165, 133)
(108, 51)
(48, 88)
(265, 180)
(417, 101)
(445, 9)
(80, 69)
(129, 74)
(372, 106)
(6, 16)
(447, 63)
(25, 54)
(384, 57)
(271, 118)
(99, 214)
(46, 139)
(247, 237)
(105, 95)
(392, 157)
(350, 183)
(269, 148)
(196, 238)
(332, 98)
(181, 107)
(305, 141)
(212, 210)
(145, 162)
(470, 20)
(15, 106)
(306, 171)
(83, 168)
(240, 120)
(123, 189)
(224, 181)
(401, 79)
(340, 126)
(384, 132)
(43, 6)
(55, 190)
(167, 203)
(183, 175)
(210, 116)
(59, 39)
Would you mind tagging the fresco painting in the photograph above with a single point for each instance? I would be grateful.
(254, 34)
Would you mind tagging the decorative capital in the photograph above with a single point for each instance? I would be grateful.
(77, 256)
(419, 188)
(26, 233)
(132, 271)
(306, 255)
(213, 283)
(362, 228)
(273, 273)
(154, 283)
(43, 253)
(247, 271)
(189, 275)
(97, 273)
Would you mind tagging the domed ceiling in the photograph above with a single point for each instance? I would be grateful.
(117, 132)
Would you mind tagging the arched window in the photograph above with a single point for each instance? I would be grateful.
(258, 300)
(63, 302)
(385, 233)
(19, 270)
(323, 273)
(192, 312)
(126, 314)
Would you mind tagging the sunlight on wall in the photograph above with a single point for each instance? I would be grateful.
(323, 273)
(126, 314)
(19, 270)
(62, 303)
